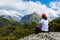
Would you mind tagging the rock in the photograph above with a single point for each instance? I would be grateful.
(43, 36)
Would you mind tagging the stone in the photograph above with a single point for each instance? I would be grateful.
(43, 36)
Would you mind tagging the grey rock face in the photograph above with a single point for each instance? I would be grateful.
(31, 18)
(43, 36)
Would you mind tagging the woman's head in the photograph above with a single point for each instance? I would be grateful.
(44, 16)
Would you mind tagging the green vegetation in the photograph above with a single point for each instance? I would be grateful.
(54, 25)
(13, 30)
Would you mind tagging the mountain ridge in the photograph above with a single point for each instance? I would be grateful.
(31, 18)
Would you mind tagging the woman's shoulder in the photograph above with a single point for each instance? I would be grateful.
(44, 20)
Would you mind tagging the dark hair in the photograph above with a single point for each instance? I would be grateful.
(45, 17)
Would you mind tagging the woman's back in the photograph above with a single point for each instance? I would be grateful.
(44, 24)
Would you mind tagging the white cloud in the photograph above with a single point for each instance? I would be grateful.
(30, 6)
(55, 5)
(10, 12)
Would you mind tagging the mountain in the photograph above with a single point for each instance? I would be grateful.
(21, 17)
(13, 30)
(10, 15)
(6, 16)
(11, 18)
(31, 18)
(5, 22)
(35, 17)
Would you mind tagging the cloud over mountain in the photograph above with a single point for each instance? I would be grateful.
(30, 7)
(55, 6)
(14, 15)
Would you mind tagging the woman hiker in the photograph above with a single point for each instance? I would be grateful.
(43, 25)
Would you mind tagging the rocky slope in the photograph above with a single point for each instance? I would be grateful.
(31, 18)
(11, 15)
(43, 36)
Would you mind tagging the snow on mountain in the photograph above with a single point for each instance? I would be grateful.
(4, 12)
(11, 14)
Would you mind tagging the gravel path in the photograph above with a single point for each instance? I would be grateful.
(43, 36)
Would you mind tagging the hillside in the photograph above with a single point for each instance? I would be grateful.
(53, 34)
(13, 30)
(5, 22)
(54, 25)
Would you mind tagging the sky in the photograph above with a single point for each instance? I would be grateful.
(24, 7)
(46, 2)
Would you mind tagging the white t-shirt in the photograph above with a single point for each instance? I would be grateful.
(44, 25)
